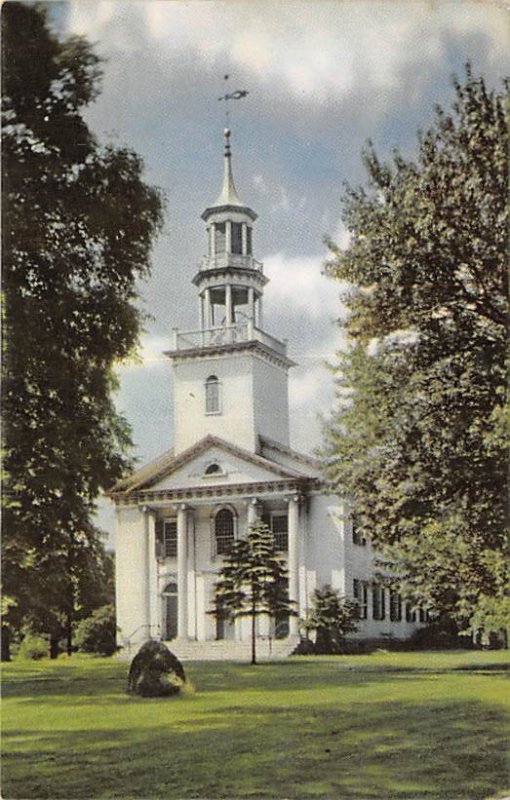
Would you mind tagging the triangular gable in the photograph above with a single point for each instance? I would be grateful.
(188, 468)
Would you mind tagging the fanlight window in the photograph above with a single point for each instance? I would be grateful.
(212, 395)
(213, 469)
(223, 530)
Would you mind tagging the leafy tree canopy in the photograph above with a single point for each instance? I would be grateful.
(419, 437)
(78, 226)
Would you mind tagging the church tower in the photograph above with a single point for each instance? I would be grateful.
(230, 376)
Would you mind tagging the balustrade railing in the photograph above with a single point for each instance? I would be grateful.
(225, 335)
(223, 260)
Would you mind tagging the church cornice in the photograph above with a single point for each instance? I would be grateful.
(226, 209)
(255, 347)
(216, 493)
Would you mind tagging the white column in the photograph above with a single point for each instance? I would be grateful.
(251, 303)
(212, 236)
(244, 239)
(253, 514)
(182, 567)
(145, 615)
(201, 311)
(152, 577)
(208, 314)
(260, 319)
(293, 559)
(228, 304)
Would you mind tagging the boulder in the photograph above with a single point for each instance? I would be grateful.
(155, 671)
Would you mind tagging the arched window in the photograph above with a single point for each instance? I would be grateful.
(213, 469)
(223, 530)
(212, 395)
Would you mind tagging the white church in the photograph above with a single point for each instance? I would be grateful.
(232, 464)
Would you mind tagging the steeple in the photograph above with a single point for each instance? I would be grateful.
(228, 195)
(228, 198)
(230, 376)
(230, 281)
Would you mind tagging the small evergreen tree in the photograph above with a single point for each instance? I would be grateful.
(332, 617)
(252, 581)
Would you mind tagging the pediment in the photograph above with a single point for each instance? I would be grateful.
(210, 462)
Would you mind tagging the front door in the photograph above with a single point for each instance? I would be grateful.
(170, 611)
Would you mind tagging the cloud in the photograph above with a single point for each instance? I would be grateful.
(298, 286)
(319, 52)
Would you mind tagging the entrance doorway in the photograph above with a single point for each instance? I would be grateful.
(170, 602)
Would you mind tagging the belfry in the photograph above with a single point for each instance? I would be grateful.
(232, 464)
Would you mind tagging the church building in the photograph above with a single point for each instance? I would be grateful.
(231, 464)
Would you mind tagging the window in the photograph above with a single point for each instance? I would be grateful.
(422, 615)
(360, 592)
(212, 395)
(170, 538)
(248, 241)
(237, 238)
(357, 536)
(378, 602)
(280, 528)
(223, 531)
(281, 627)
(213, 469)
(395, 606)
(410, 613)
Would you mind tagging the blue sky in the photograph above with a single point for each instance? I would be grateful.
(322, 77)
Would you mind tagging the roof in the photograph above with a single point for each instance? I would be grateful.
(168, 462)
(281, 448)
(228, 198)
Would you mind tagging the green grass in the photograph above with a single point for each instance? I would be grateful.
(389, 725)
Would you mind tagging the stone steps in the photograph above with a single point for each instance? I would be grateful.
(224, 650)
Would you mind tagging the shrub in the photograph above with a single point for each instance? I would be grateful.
(331, 617)
(96, 634)
(33, 647)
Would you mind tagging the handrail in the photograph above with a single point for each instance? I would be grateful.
(236, 260)
(225, 335)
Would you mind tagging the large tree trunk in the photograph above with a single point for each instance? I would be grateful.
(6, 644)
(69, 636)
(54, 640)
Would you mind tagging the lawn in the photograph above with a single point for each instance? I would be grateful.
(389, 725)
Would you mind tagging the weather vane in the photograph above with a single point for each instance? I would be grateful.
(237, 95)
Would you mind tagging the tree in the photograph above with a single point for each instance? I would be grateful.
(252, 581)
(332, 617)
(97, 633)
(419, 438)
(78, 226)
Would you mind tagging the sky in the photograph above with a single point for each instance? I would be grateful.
(323, 77)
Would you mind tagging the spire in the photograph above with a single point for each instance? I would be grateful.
(228, 195)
